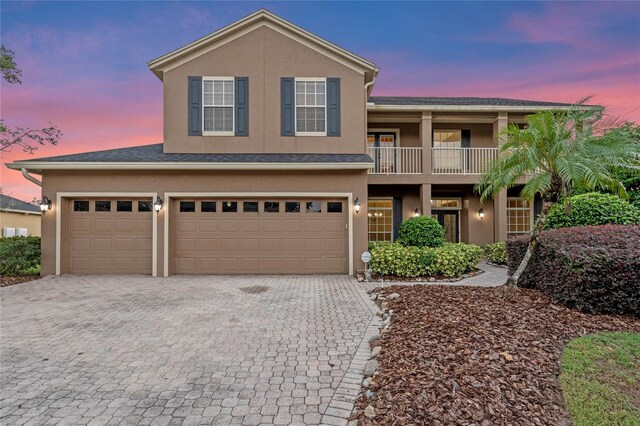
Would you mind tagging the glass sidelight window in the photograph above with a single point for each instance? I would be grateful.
(380, 218)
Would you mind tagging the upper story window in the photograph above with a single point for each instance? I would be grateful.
(311, 109)
(218, 104)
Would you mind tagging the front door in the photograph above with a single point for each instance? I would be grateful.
(449, 221)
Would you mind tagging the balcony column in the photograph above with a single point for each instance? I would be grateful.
(500, 200)
(426, 131)
(425, 199)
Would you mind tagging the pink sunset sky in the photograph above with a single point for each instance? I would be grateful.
(84, 64)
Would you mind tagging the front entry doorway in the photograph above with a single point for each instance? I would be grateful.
(450, 221)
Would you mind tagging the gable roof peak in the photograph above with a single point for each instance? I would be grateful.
(254, 20)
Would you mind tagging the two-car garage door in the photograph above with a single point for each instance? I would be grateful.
(210, 236)
(267, 236)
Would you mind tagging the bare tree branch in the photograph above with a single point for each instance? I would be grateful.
(26, 138)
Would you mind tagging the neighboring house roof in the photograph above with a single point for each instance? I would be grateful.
(10, 204)
(153, 157)
(419, 100)
(257, 19)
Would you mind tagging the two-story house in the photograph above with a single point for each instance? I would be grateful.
(275, 160)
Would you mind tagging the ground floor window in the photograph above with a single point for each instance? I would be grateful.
(380, 216)
(519, 217)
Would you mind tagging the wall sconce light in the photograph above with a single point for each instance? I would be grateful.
(356, 205)
(481, 213)
(157, 205)
(45, 204)
(416, 213)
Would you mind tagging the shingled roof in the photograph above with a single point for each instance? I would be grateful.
(154, 154)
(462, 101)
(13, 204)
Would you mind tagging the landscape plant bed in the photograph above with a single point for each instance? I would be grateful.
(377, 277)
(6, 281)
(468, 355)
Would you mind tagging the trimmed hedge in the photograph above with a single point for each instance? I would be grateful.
(20, 256)
(496, 253)
(450, 260)
(421, 231)
(595, 269)
(592, 209)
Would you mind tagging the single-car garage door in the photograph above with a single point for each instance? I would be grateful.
(265, 236)
(110, 236)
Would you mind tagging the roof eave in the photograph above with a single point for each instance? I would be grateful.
(465, 108)
(38, 166)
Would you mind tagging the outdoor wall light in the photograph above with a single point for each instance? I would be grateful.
(356, 205)
(416, 213)
(45, 204)
(481, 213)
(157, 204)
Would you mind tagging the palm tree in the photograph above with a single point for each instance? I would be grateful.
(554, 153)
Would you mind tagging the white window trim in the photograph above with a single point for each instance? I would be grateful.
(295, 106)
(531, 214)
(233, 114)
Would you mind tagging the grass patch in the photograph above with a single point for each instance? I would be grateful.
(600, 379)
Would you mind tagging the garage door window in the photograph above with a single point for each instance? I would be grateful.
(103, 206)
(250, 207)
(292, 207)
(314, 207)
(144, 206)
(187, 206)
(334, 207)
(271, 206)
(80, 206)
(208, 207)
(229, 207)
(124, 206)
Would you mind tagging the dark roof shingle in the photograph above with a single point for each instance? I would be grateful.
(10, 203)
(462, 101)
(154, 154)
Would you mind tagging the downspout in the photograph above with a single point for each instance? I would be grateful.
(27, 176)
(366, 113)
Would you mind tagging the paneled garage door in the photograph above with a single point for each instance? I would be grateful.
(110, 236)
(265, 236)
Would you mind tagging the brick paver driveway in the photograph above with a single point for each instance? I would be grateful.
(179, 350)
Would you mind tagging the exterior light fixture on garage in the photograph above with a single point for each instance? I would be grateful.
(481, 213)
(416, 213)
(45, 204)
(356, 205)
(157, 205)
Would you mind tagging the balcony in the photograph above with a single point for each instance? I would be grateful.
(461, 161)
(395, 160)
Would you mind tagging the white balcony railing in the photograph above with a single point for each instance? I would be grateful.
(461, 161)
(395, 160)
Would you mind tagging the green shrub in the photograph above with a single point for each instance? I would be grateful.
(20, 256)
(450, 260)
(453, 260)
(421, 231)
(592, 209)
(496, 253)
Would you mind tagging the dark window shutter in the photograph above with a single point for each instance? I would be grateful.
(397, 216)
(287, 107)
(333, 107)
(465, 138)
(242, 106)
(194, 115)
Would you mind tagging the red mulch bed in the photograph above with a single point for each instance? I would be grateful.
(6, 281)
(463, 355)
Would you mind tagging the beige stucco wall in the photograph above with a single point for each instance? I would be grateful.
(264, 56)
(196, 181)
(21, 220)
